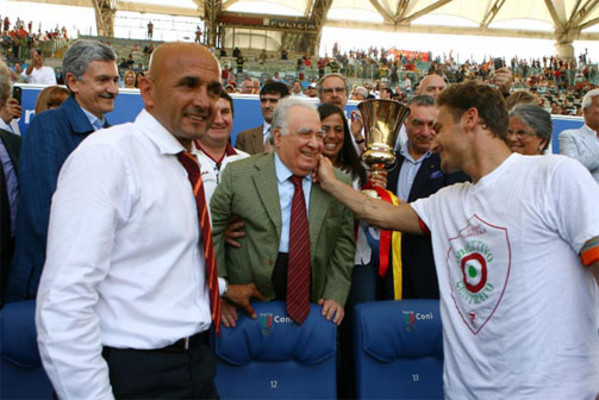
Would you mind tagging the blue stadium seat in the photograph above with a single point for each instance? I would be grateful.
(22, 375)
(272, 357)
(399, 350)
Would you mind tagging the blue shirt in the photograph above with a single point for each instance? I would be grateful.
(408, 171)
(97, 123)
(286, 190)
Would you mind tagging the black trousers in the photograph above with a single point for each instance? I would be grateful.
(172, 372)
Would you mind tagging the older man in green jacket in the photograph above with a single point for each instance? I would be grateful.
(260, 191)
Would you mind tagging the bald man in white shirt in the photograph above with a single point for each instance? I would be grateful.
(124, 299)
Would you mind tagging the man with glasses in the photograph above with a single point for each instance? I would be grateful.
(272, 194)
(255, 140)
(335, 89)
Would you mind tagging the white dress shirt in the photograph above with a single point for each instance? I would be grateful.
(42, 76)
(265, 132)
(125, 265)
(363, 249)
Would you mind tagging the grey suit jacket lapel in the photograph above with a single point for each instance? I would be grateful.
(269, 193)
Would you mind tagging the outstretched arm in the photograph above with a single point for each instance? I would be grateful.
(376, 212)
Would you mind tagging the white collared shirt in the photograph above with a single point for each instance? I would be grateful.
(265, 132)
(125, 265)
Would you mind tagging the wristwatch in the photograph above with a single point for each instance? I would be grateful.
(224, 295)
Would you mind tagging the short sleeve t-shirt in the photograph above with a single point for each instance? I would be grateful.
(519, 310)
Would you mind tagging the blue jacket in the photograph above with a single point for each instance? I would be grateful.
(51, 137)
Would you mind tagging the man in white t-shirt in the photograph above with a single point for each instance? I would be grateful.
(37, 72)
(515, 250)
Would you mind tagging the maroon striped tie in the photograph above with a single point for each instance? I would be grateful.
(193, 173)
(298, 269)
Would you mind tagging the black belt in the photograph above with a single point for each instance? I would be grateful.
(190, 341)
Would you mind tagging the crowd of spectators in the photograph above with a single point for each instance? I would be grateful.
(18, 39)
(559, 84)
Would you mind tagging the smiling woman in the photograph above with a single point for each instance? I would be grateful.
(338, 145)
(529, 131)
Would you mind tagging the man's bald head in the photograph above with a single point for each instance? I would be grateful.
(182, 88)
(168, 55)
(432, 85)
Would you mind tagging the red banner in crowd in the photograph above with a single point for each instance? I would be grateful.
(409, 54)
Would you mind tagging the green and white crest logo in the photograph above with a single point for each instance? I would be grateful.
(479, 261)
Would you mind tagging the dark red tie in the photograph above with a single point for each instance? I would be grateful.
(193, 173)
(298, 269)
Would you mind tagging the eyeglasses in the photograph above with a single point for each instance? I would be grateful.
(520, 134)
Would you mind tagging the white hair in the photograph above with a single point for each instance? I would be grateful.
(588, 98)
(279, 120)
(5, 83)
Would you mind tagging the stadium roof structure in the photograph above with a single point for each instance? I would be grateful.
(561, 20)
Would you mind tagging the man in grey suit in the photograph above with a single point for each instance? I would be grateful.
(259, 189)
(583, 143)
(254, 141)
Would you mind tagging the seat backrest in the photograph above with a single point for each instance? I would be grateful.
(22, 375)
(399, 350)
(273, 357)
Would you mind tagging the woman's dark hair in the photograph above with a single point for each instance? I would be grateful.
(348, 158)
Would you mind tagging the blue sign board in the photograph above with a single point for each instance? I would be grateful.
(247, 112)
